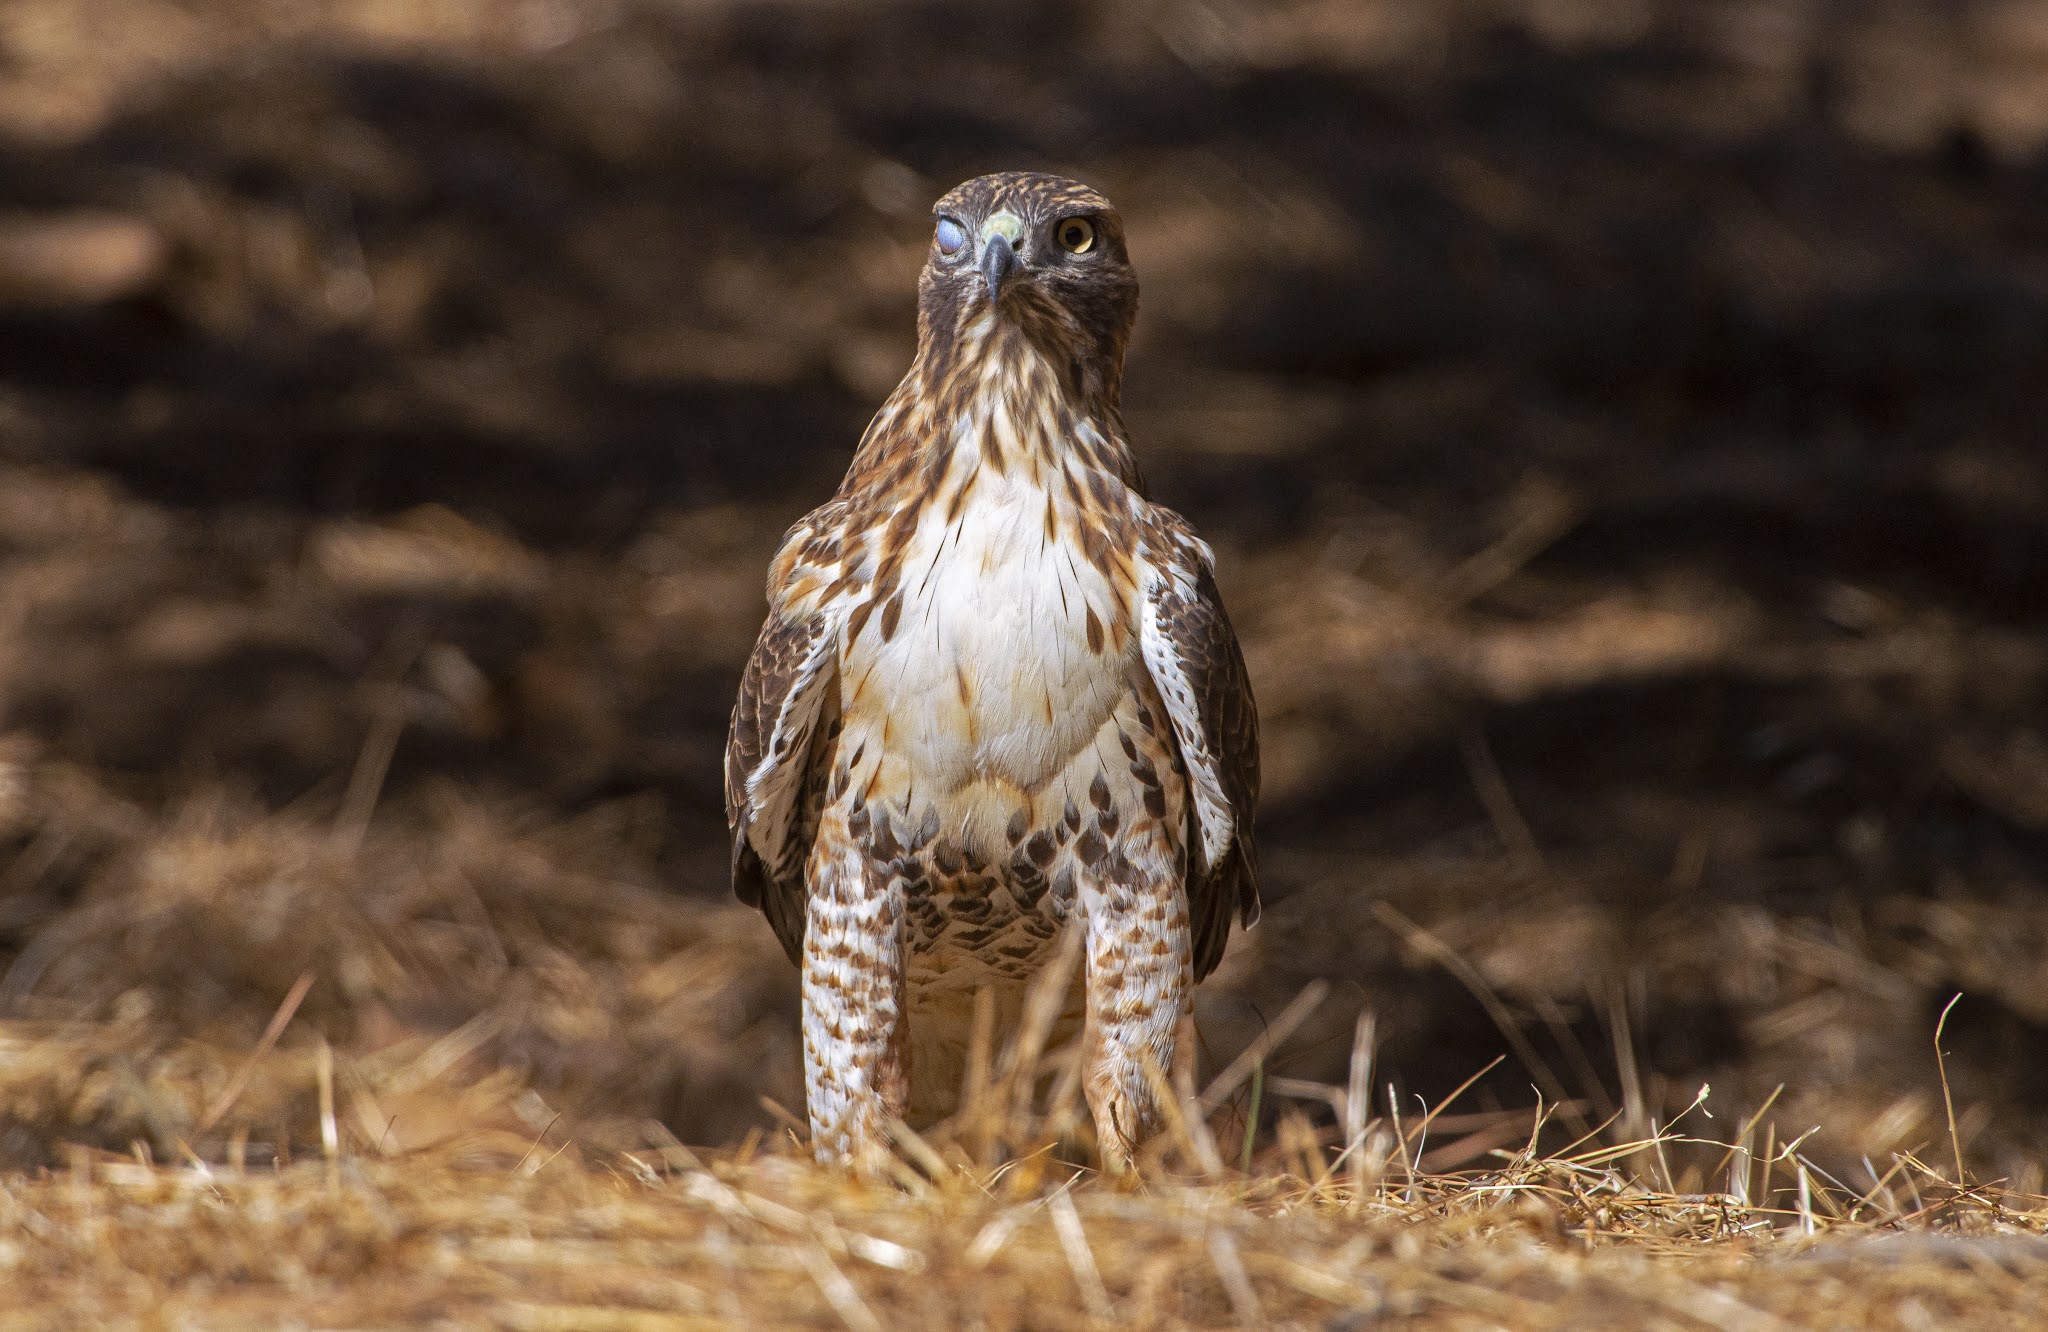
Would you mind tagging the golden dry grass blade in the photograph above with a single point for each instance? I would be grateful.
(240, 1081)
(1948, 1100)
(1431, 946)
(1080, 1257)
(1240, 1068)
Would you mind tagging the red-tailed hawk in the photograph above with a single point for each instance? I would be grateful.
(996, 691)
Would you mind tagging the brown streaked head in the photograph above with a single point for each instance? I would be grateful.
(1047, 253)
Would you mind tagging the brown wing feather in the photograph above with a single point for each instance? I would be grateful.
(1196, 664)
(777, 749)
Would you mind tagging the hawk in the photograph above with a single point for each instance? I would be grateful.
(996, 693)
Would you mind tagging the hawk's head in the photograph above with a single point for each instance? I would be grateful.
(1043, 254)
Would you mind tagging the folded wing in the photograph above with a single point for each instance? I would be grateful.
(778, 746)
(1192, 655)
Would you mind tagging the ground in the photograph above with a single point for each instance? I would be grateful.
(1618, 425)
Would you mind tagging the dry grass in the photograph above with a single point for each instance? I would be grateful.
(279, 1069)
(506, 1216)
(639, 1242)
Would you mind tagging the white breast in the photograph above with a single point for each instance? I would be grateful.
(989, 675)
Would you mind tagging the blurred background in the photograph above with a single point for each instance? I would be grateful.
(1619, 422)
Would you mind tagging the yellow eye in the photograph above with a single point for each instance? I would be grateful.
(1076, 235)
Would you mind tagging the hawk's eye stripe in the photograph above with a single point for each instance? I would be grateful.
(951, 236)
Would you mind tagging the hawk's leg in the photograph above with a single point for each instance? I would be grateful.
(856, 1073)
(1138, 986)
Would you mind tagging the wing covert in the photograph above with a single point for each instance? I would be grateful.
(1192, 654)
(781, 724)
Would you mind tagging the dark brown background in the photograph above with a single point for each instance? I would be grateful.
(1619, 422)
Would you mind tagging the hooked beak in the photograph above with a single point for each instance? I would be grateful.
(998, 261)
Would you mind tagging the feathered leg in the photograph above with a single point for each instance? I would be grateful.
(1138, 986)
(856, 1069)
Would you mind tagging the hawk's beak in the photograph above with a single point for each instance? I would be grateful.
(998, 261)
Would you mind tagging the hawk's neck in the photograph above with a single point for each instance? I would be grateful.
(993, 397)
